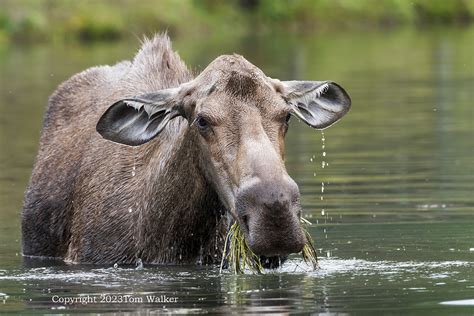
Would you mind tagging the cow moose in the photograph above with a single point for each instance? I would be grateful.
(142, 160)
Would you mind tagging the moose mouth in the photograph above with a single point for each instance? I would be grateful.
(239, 256)
(272, 262)
(237, 237)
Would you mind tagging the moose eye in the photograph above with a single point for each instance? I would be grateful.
(287, 118)
(201, 123)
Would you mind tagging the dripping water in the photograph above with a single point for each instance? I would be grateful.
(324, 164)
(324, 213)
(134, 166)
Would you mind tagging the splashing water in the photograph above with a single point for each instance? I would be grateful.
(139, 264)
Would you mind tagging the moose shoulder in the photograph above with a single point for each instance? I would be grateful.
(141, 160)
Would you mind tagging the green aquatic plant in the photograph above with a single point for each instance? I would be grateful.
(239, 256)
(309, 253)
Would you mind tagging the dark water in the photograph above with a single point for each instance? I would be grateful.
(394, 225)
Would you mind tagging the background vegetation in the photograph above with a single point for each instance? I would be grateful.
(88, 20)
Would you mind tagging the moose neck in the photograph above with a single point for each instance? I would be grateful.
(184, 224)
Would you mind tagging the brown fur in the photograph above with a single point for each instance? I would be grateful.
(97, 201)
(241, 86)
(81, 189)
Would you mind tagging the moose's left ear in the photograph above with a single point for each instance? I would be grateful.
(318, 103)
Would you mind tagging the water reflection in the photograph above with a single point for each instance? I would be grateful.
(339, 284)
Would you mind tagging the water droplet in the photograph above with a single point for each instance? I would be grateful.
(116, 265)
(324, 154)
(322, 212)
(130, 210)
(139, 264)
(133, 173)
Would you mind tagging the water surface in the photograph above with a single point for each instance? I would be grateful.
(394, 226)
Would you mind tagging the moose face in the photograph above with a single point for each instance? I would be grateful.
(240, 117)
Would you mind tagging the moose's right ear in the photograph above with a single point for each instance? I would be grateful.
(135, 121)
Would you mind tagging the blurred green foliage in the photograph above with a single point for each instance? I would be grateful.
(88, 20)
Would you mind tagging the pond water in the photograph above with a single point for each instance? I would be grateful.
(394, 227)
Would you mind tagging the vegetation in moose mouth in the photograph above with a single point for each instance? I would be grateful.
(240, 257)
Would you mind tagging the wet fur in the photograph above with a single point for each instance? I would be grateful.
(77, 205)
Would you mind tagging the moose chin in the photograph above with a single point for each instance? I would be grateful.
(142, 160)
